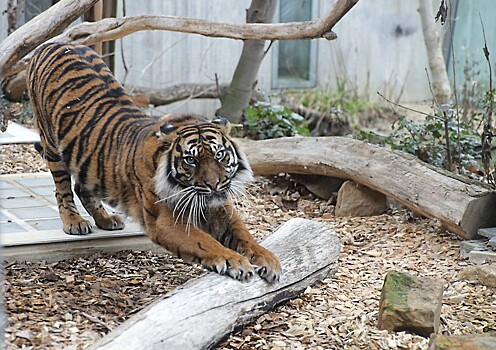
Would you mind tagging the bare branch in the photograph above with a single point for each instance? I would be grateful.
(114, 28)
(41, 28)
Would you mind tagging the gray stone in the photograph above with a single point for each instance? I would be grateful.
(472, 245)
(357, 200)
(488, 232)
(484, 274)
(465, 342)
(410, 303)
(481, 257)
(492, 243)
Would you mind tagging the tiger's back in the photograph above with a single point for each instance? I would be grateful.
(174, 176)
(83, 115)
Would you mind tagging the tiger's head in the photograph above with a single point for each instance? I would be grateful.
(201, 167)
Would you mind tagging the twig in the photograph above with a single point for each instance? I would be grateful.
(487, 135)
(455, 94)
(407, 108)
(96, 320)
(218, 86)
(123, 58)
(445, 120)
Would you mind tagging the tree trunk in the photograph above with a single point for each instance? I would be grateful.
(238, 94)
(462, 206)
(440, 83)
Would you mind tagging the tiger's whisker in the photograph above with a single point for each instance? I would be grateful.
(173, 195)
(187, 200)
(183, 198)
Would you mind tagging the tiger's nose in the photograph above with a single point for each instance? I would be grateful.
(213, 184)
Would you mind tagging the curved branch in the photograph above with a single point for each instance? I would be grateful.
(38, 30)
(114, 28)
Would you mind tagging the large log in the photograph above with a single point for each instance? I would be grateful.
(204, 311)
(462, 206)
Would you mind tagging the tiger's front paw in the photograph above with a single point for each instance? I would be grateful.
(77, 226)
(110, 222)
(234, 265)
(267, 265)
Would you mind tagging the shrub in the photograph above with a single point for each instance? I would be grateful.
(266, 121)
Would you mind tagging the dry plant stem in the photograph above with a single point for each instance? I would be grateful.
(487, 134)
(114, 28)
(449, 157)
(404, 107)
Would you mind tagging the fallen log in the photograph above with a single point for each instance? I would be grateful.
(179, 92)
(204, 311)
(461, 205)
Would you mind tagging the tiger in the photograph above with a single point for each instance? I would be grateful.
(179, 177)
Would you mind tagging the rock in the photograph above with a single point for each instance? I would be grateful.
(472, 245)
(488, 232)
(410, 303)
(482, 257)
(357, 200)
(464, 342)
(321, 186)
(492, 243)
(484, 274)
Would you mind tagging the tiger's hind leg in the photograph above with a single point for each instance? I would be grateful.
(94, 207)
(74, 224)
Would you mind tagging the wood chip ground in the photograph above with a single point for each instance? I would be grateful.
(70, 304)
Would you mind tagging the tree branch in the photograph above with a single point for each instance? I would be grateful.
(114, 28)
(179, 92)
(41, 28)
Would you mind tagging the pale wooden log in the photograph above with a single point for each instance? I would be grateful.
(202, 312)
(41, 28)
(114, 28)
(178, 92)
(460, 205)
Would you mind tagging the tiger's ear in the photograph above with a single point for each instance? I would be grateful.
(222, 122)
(166, 132)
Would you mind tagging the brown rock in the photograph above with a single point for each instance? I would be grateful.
(484, 274)
(357, 200)
(410, 303)
(465, 342)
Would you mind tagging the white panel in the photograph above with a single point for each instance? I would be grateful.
(380, 47)
(160, 58)
(4, 23)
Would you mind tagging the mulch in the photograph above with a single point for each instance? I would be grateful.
(72, 303)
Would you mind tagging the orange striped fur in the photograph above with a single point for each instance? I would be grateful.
(176, 177)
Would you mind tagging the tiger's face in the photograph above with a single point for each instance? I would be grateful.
(202, 168)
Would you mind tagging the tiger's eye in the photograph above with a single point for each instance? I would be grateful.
(220, 155)
(190, 160)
